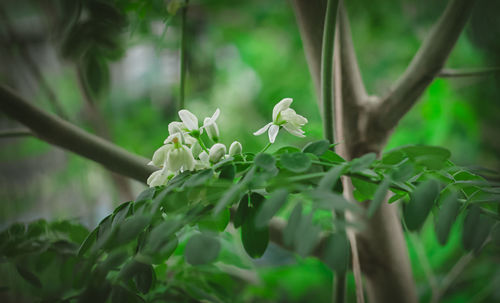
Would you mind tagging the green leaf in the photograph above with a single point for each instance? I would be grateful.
(421, 202)
(265, 161)
(215, 223)
(144, 278)
(131, 228)
(227, 172)
(379, 196)
(147, 194)
(337, 252)
(476, 229)
(432, 157)
(332, 157)
(88, 242)
(30, 277)
(329, 180)
(255, 240)
(114, 260)
(393, 157)
(404, 172)
(306, 235)
(199, 178)
(362, 163)
(333, 201)
(287, 149)
(296, 162)
(270, 207)
(242, 211)
(446, 217)
(318, 147)
(229, 197)
(201, 249)
(363, 190)
(120, 213)
(292, 225)
(161, 234)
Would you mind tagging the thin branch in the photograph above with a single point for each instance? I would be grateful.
(327, 97)
(425, 65)
(56, 131)
(354, 91)
(13, 133)
(310, 17)
(182, 87)
(473, 72)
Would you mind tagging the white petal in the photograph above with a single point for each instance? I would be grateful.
(294, 130)
(273, 132)
(189, 119)
(175, 127)
(281, 106)
(263, 129)
(187, 159)
(215, 116)
(160, 155)
(212, 129)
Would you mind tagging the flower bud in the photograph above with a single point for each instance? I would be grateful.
(217, 151)
(212, 129)
(235, 148)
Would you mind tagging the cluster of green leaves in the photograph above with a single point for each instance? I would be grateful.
(161, 246)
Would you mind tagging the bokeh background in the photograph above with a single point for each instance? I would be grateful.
(114, 70)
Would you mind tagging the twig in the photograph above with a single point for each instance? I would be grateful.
(59, 132)
(426, 64)
(12, 133)
(473, 72)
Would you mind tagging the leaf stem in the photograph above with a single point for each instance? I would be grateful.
(202, 145)
(266, 147)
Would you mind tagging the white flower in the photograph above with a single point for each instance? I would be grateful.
(180, 158)
(160, 155)
(235, 148)
(212, 129)
(283, 116)
(189, 120)
(159, 177)
(217, 151)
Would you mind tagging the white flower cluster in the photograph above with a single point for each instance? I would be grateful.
(184, 150)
